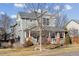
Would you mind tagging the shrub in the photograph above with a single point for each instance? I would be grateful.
(67, 38)
(6, 45)
(29, 42)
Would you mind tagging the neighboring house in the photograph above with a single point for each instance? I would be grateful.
(73, 29)
(27, 21)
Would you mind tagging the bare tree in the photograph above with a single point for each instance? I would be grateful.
(61, 18)
(6, 24)
(43, 8)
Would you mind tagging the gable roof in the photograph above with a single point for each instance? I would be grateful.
(27, 15)
(77, 21)
(32, 15)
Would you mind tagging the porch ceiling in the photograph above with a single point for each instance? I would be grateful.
(47, 28)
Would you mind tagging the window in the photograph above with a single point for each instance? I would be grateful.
(73, 32)
(45, 21)
(61, 35)
(53, 35)
(30, 20)
(25, 18)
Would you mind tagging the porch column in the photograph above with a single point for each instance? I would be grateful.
(63, 37)
(29, 34)
(49, 38)
(55, 36)
(58, 38)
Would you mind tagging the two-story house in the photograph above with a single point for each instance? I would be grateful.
(28, 21)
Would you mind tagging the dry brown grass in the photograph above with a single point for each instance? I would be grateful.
(30, 51)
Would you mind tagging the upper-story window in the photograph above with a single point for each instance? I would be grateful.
(32, 20)
(45, 21)
(73, 32)
(25, 18)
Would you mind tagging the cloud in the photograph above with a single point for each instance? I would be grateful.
(57, 7)
(28, 11)
(13, 16)
(21, 5)
(67, 7)
(2, 13)
(39, 10)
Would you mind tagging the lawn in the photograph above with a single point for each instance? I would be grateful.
(30, 51)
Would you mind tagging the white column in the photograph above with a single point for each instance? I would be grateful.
(49, 34)
(63, 37)
(58, 35)
(29, 33)
(58, 38)
(55, 37)
(49, 37)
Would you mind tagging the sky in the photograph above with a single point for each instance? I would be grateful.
(71, 9)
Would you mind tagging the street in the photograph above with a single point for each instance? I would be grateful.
(70, 54)
(76, 53)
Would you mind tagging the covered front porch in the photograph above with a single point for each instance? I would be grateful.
(49, 35)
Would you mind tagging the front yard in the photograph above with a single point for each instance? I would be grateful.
(30, 51)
